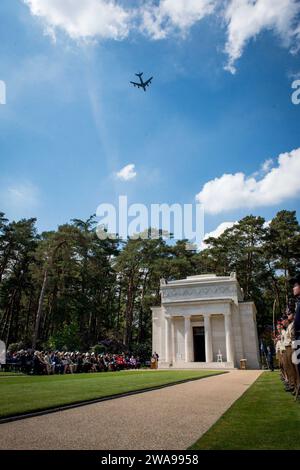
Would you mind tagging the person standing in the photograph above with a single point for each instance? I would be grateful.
(278, 354)
(283, 352)
(290, 369)
(295, 284)
(154, 360)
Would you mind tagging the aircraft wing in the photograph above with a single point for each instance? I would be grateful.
(147, 83)
(137, 84)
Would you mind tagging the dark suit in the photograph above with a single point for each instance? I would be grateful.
(297, 319)
(297, 326)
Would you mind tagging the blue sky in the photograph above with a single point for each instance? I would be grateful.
(72, 121)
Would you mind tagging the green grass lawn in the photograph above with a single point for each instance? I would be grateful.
(265, 417)
(8, 374)
(32, 393)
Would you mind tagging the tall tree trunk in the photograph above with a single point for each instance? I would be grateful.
(40, 310)
(129, 313)
(6, 320)
(4, 263)
(119, 307)
(276, 287)
(141, 313)
(10, 318)
(14, 325)
(28, 314)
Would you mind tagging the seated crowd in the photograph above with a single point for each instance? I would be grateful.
(57, 362)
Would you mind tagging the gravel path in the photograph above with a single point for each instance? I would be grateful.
(172, 418)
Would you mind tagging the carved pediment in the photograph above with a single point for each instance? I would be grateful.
(197, 292)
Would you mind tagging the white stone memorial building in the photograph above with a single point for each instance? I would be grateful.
(203, 322)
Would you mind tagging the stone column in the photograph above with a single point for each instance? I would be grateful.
(187, 338)
(173, 355)
(229, 338)
(208, 338)
(167, 338)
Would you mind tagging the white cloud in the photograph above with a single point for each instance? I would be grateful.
(267, 223)
(219, 230)
(169, 15)
(245, 19)
(110, 19)
(264, 168)
(83, 19)
(89, 19)
(267, 165)
(127, 173)
(19, 199)
(216, 233)
(22, 195)
(236, 191)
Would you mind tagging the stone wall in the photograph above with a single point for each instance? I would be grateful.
(218, 336)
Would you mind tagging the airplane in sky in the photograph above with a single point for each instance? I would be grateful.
(142, 84)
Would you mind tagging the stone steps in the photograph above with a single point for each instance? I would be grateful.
(196, 365)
